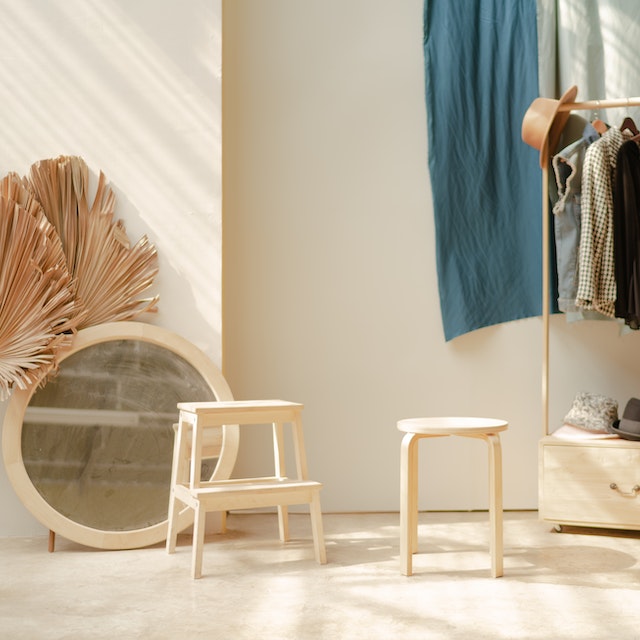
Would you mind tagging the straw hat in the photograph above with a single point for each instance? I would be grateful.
(542, 124)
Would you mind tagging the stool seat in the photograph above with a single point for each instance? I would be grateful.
(487, 429)
(452, 426)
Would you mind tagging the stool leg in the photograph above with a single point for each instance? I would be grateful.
(408, 501)
(495, 505)
(223, 521)
(413, 513)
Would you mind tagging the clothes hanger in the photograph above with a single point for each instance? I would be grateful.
(629, 124)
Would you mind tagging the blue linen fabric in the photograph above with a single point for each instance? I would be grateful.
(481, 75)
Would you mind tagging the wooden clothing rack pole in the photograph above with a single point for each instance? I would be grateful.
(588, 105)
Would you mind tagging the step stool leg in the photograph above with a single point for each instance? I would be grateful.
(283, 522)
(179, 473)
(198, 542)
(317, 529)
(172, 524)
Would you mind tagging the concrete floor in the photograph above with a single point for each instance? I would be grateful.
(556, 585)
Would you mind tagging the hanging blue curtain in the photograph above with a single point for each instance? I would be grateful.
(481, 72)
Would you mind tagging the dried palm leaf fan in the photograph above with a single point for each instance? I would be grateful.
(36, 297)
(109, 274)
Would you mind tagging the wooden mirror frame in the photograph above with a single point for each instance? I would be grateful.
(12, 438)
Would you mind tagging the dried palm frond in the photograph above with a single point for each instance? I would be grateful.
(109, 274)
(18, 189)
(13, 187)
(36, 297)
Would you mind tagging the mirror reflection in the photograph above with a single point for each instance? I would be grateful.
(97, 440)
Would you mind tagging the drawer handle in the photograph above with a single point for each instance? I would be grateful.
(632, 494)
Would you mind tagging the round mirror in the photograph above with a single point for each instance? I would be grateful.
(90, 452)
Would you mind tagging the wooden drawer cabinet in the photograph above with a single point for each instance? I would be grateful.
(594, 483)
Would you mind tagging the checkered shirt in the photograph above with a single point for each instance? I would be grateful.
(596, 272)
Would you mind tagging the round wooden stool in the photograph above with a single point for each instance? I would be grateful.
(488, 429)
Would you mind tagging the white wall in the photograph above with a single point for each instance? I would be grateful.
(330, 291)
(135, 89)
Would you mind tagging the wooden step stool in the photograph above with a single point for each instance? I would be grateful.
(187, 486)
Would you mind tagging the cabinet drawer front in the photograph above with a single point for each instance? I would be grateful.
(576, 485)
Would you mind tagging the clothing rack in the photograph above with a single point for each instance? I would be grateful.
(588, 105)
